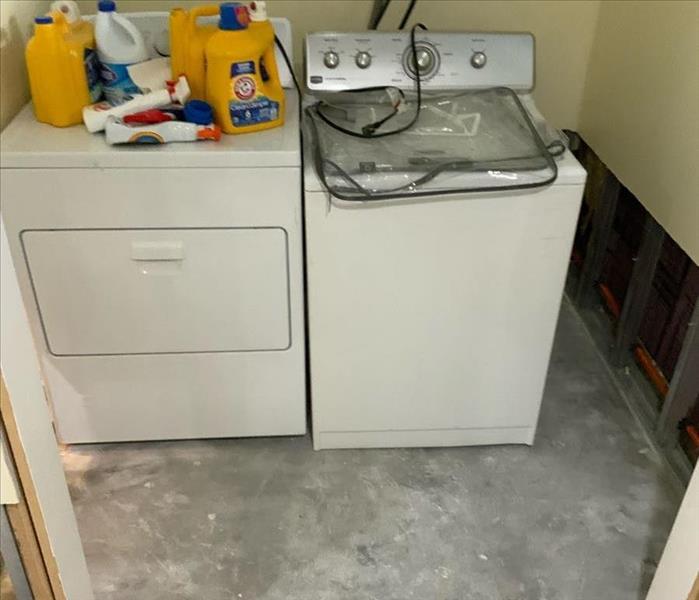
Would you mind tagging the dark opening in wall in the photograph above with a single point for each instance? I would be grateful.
(673, 296)
(624, 244)
(673, 281)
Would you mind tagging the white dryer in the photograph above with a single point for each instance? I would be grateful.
(164, 285)
(436, 257)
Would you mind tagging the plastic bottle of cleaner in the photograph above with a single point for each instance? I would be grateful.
(119, 44)
(95, 116)
(259, 23)
(70, 11)
(119, 132)
(242, 81)
(261, 26)
(188, 39)
(63, 69)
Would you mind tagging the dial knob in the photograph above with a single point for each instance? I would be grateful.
(331, 59)
(478, 60)
(424, 57)
(362, 59)
(424, 61)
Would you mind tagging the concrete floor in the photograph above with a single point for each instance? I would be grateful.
(583, 515)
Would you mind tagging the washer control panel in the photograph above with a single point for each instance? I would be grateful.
(342, 61)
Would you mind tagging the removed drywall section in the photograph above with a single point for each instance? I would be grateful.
(16, 26)
(639, 108)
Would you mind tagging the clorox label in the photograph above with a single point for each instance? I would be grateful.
(118, 86)
(92, 72)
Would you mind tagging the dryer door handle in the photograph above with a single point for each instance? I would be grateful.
(157, 251)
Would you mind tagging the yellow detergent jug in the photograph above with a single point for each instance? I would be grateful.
(63, 69)
(242, 81)
(188, 40)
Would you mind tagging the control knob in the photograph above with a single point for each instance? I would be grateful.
(424, 57)
(424, 62)
(478, 60)
(362, 59)
(331, 59)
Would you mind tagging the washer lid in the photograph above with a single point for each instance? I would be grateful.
(480, 140)
(28, 144)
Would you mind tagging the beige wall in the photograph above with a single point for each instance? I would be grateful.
(16, 18)
(564, 33)
(641, 108)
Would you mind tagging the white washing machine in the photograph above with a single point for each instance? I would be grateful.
(164, 285)
(436, 257)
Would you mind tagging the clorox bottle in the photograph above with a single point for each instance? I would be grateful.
(63, 68)
(119, 45)
(242, 81)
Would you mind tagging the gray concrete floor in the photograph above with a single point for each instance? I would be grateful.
(583, 515)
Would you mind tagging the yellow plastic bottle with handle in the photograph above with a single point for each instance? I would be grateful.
(188, 39)
(63, 69)
(242, 81)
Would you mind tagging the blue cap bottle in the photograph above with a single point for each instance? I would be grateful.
(234, 16)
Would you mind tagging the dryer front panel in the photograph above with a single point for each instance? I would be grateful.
(158, 291)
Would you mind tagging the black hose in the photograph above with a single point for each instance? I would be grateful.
(382, 12)
(279, 44)
(407, 14)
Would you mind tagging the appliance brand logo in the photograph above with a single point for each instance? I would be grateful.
(244, 88)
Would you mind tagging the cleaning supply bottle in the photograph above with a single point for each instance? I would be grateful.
(242, 81)
(259, 23)
(119, 44)
(95, 116)
(119, 132)
(70, 11)
(63, 68)
(188, 39)
(261, 27)
(80, 34)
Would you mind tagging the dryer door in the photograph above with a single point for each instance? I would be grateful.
(148, 291)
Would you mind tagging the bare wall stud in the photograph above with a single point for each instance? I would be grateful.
(603, 221)
(639, 289)
(684, 386)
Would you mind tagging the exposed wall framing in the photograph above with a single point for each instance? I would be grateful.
(638, 290)
(650, 289)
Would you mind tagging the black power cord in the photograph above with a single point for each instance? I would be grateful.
(379, 16)
(369, 131)
(407, 14)
(353, 190)
(279, 44)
